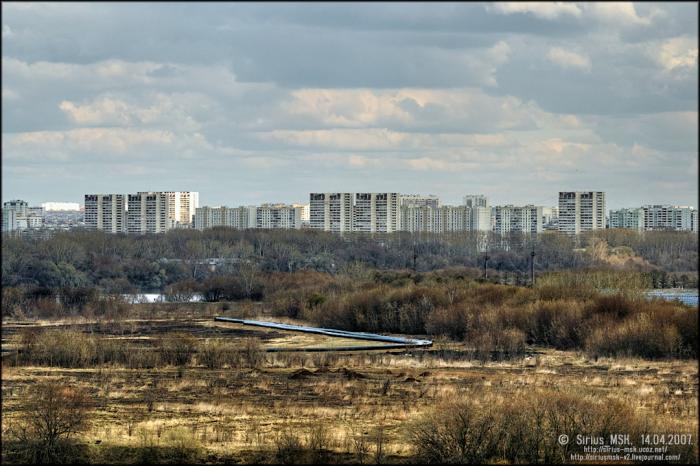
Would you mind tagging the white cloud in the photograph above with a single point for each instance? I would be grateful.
(545, 10)
(678, 52)
(617, 13)
(568, 59)
(161, 110)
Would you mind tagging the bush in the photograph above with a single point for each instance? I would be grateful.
(52, 414)
(521, 429)
(177, 348)
(638, 336)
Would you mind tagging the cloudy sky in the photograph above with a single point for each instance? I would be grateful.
(250, 103)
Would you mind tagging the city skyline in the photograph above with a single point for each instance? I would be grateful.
(251, 103)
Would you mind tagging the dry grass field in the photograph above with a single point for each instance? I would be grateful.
(338, 407)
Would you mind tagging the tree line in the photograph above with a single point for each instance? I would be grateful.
(150, 263)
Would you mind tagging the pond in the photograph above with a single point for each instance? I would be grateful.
(688, 297)
(145, 298)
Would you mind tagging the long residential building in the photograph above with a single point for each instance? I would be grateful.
(106, 212)
(267, 216)
(670, 217)
(581, 211)
(630, 219)
(517, 219)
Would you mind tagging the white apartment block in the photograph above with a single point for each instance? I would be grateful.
(581, 211)
(106, 212)
(376, 213)
(278, 216)
(457, 218)
(419, 200)
(331, 211)
(182, 206)
(521, 219)
(669, 217)
(631, 219)
(422, 219)
(480, 212)
(147, 212)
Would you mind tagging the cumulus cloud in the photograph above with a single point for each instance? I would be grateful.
(248, 103)
(678, 52)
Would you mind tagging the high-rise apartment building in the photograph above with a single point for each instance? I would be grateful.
(480, 212)
(581, 211)
(182, 206)
(521, 219)
(278, 216)
(106, 212)
(376, 212)
(331, 211)
(457, 218)
(147, 212)
(670, 217)
(427, 219)
(631, 219)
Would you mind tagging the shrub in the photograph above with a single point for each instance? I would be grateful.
(177, 348)
(290, 449)
(52, 414)
(637, 336)
(521, 429)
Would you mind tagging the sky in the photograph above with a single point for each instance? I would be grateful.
(266, 102)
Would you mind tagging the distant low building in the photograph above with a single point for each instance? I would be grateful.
(60, 206)
(18, 217)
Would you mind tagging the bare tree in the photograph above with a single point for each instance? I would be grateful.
(52, 414)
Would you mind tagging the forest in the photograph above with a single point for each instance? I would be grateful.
(188, 259)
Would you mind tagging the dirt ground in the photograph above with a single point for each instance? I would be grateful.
(362, 401)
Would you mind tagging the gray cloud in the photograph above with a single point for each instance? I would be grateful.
(254, 102)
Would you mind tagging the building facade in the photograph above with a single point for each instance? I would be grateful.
(631, 219)
(517, 219)
(670, 217)
(581, 211)
(331, 211)
(278, 216)
(376, 213)
(147, 212)
(106, 212)
(182, 206)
